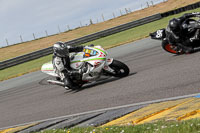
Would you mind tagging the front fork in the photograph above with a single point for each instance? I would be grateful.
(107, 68)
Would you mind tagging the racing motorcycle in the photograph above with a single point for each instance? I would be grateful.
(176, 49)
(96, 64)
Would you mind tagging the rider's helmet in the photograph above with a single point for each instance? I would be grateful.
(60, 49)
(175, 26)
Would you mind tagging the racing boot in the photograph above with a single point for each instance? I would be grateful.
(71, 74)
(78, 73)
(68, 84)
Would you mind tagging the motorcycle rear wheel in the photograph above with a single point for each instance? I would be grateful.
(120, 69)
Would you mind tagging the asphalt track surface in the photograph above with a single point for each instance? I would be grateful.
(154, 74)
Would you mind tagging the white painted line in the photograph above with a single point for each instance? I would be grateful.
(107, 109)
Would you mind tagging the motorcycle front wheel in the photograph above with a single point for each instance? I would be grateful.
(120, 69)
(171, 48)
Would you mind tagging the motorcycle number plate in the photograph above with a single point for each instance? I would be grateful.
(159, 34)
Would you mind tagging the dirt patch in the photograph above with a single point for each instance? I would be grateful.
(27, 47)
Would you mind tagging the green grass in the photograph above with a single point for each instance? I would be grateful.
(107, 42)
(189, 126)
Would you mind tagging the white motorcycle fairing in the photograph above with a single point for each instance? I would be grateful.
(94, 58)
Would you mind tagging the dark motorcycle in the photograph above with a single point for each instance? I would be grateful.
(176, 49)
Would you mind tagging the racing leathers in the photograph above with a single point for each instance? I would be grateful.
(180, 33)
(63, 69)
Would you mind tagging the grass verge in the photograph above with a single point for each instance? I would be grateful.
(107, 42)
(189, 126)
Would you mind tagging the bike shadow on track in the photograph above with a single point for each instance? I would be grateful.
(100, 82)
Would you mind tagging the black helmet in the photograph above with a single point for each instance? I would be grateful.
(60, 49)
(175, 26)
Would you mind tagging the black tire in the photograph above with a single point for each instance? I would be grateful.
(121, 69)
(169, 48)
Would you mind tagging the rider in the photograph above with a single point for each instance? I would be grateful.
(179, 33)
(61, 62)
